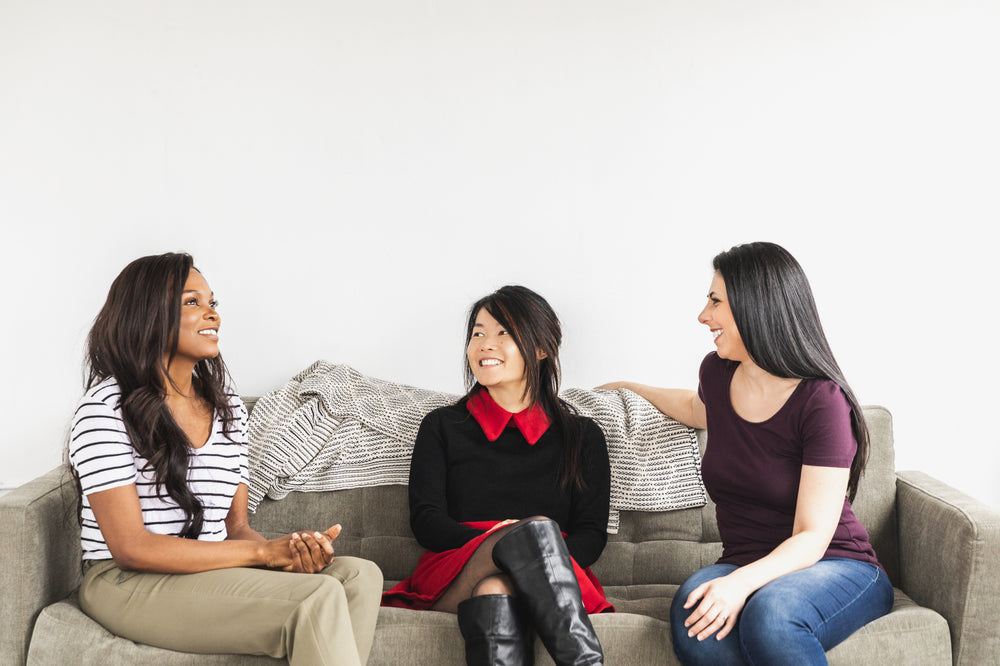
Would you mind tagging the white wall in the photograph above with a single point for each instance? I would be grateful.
(351, 176)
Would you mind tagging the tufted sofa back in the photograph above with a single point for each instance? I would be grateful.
(650, 548)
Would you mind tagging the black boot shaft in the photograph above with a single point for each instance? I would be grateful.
(496, 632)
(535, 557)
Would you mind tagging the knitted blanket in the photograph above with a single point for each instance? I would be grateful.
(655, 462)
(330, 428)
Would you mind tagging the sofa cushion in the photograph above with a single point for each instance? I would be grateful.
(637, 634)
(909, 634)
(64, 634)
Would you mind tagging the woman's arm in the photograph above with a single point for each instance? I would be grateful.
(238, 519)
(134, 548)
(682, 405)
(818, 507)
(434, 529)
(587, 532)
(312, 551)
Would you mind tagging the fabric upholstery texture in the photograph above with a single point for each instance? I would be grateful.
(41, 553)
(940, 548)
(951, 537)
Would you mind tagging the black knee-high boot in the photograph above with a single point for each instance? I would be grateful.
(495, 631)
(535, 557)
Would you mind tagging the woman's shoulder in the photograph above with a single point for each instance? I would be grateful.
(105, 393)
(589, 427)
(821, 394)
(98, 427)
(235, 401)
(823, 420)
(454, 413)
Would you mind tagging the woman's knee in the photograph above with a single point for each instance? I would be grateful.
(686, 647)
(356, 572)
(495, 584)
(368, 571)
(768, 615)
(531, 519)
(693, 581)
(710, 652)
(689, 649)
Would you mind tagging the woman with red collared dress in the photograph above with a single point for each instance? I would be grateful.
(509, 492)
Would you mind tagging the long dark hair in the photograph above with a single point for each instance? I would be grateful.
(534, 326)
(135, 329)
(776, 315)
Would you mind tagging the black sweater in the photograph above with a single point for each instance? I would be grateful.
(457, 475)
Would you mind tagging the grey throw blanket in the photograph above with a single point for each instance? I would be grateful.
(331, 428)
(655, 463)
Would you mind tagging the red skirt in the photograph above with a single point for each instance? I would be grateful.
(436, 571)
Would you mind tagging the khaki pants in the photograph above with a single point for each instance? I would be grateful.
(324, 618)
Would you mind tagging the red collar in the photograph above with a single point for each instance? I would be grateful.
(492, 418)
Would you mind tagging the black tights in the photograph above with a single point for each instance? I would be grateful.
(480, 575)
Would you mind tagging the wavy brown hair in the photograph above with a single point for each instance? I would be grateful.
(134, 340)
(534, 326)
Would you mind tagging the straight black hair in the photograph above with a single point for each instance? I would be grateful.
(776, 315)
(535, 328)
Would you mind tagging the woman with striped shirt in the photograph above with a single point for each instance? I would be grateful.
(159, 446)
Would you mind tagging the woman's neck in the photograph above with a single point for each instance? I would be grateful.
(761, 381)
(179, 381)
(513, 399)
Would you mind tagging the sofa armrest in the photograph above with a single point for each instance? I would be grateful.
(40, 552)
(949, 552)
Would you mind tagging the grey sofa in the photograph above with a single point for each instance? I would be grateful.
(941, 550)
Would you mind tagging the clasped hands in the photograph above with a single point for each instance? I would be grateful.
(304, 551)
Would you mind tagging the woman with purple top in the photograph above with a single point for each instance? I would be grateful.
(787, 442)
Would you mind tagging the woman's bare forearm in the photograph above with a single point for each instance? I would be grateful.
(682, 405)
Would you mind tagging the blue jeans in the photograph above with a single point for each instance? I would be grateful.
(793, 619)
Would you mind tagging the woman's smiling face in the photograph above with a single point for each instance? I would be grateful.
(494, 358)
(198, 332)
(719, 318)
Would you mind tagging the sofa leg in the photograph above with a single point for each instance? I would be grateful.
(495, 631)
(534, 555)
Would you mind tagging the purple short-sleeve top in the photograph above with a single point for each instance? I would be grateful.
(752, 470)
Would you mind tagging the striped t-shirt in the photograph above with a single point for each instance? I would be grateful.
(103, 457)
